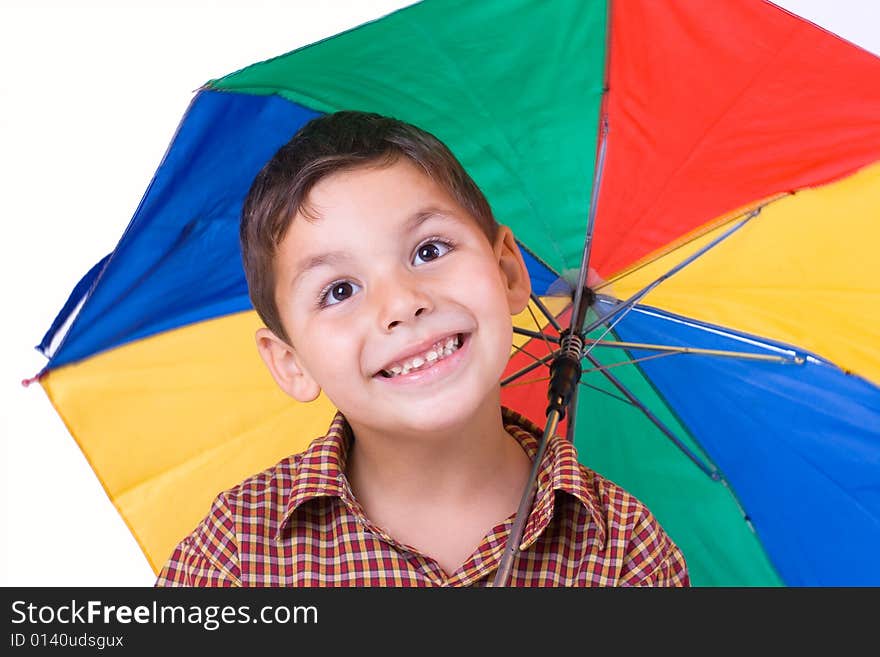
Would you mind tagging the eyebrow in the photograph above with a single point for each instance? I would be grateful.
(335, 257)
(320, 260)
(422, 216)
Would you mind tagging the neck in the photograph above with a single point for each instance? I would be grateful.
(451, 465)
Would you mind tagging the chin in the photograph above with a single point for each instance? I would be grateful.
(439, 423)
(441, 415)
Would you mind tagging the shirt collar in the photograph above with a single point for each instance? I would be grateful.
(320, 472)
(560, 471)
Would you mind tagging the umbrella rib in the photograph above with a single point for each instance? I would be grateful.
(711, 472)
(544, 311)
(533, 334)
(527, 383)
(658, 255)
(528, 368)
(606, 392)
(544, 337)
(619, 311)
(720, 353)
(536, 334)
(629, 362)
(528, 353)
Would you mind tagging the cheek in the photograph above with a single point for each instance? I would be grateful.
(332, 348)
(485, 287)
(488, 296)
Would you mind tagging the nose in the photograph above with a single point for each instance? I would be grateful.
(402, 298)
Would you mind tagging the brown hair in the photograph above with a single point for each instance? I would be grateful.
(325, 145)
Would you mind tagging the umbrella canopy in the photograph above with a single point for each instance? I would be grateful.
(729, 116)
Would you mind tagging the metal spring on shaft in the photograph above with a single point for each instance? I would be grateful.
(571, 345)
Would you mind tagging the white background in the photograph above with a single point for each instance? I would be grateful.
(90, 96)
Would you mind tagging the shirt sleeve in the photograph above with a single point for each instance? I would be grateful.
(208, 557)
(652, 559)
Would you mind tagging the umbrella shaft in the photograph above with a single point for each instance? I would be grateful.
(502, 576)
(580, 303)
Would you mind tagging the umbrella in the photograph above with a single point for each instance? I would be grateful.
(737, 397)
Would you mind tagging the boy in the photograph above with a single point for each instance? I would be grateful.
(383, 279)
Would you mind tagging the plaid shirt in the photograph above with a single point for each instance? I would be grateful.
(298, 524)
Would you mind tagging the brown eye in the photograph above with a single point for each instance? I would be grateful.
(341, 292)
(431, 251)
(337, 293)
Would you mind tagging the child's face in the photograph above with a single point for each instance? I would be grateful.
(393, 270)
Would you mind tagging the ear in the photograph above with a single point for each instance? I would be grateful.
(285, 366)
(513, 270)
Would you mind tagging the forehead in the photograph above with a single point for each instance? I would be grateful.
(370, 207)
(392, 189)
(372, 200)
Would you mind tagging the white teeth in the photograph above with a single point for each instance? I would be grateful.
(437, 352)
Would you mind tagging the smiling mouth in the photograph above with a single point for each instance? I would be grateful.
(439, 351)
